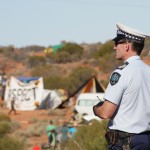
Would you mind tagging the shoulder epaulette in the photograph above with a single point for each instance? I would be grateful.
(123, 66)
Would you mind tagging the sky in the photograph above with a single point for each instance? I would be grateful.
(48, 22)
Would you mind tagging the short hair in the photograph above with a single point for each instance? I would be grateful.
(137, 46)
(51, 121)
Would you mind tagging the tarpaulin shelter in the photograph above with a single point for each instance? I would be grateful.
(27, 79)
(53, 49)
(90, 86)
(50, 100)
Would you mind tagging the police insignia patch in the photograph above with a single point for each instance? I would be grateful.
(114, 78)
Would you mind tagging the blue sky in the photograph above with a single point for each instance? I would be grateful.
(48, 22)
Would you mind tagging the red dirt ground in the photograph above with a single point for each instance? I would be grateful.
(25, 117)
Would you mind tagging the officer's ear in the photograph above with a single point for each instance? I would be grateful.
(127, 46)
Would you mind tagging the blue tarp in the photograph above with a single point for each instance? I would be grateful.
(27, 79)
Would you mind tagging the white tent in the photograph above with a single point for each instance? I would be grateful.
(50, 99)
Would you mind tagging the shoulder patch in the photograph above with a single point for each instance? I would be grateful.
(114, 78)
(123, 66)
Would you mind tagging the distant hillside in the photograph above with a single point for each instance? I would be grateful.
(23, 61)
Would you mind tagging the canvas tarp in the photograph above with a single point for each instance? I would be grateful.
(50, 99)
(27, 79)
(27, 95)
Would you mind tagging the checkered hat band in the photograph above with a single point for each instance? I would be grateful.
(130, 36)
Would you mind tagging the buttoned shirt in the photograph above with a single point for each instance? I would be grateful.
(129, 89)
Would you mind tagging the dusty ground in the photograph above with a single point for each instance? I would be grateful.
(24, 118)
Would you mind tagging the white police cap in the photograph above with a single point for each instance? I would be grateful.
(126, 32)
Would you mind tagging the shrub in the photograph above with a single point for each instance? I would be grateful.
(36, 129)
(5, 127)
(4, 117)
(54, 79)
(47, 71)
(105, 49)
(33, 120)
(54, 82)
(36, 60)
(88, 137)
(7, 143)
(15, 125)
(93, 135)
(68, 53)
(78, 77)
(62, 57)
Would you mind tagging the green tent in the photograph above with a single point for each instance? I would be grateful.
(56, 47)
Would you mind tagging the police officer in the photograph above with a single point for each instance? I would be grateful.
(127, 97)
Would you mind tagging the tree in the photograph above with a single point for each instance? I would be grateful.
(36, 60)
(69, 52)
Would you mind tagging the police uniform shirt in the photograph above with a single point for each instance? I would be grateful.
(129, 88)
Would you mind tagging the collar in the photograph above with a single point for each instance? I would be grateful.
(137, 57)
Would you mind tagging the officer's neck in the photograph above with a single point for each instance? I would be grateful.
(128, 55)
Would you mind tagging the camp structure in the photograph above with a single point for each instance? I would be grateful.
(27, 79)
(90, 86)
(50, 100)
(26, 92)
(53, 49)
(29, 94)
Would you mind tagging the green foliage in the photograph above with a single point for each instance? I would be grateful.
(37, 129)
(5, 127)
(146, 50)
(72, 48)
(61, 57)
(105, 82)
(107, 62)
(32, 48)
(78, 76)
(7, 51)
(147, 45)
(15, 125)
(33, 120)
(36, 60)
(69, 52)
(89, 137)
(92, 136)
(7, 143)
(82, 73)
(47, 71)
(106, 48)
(1, 50)
(105, 56)
(54, 82)
(4, 117)
(54, 77)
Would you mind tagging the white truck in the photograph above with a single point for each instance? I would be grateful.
(85, 103)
